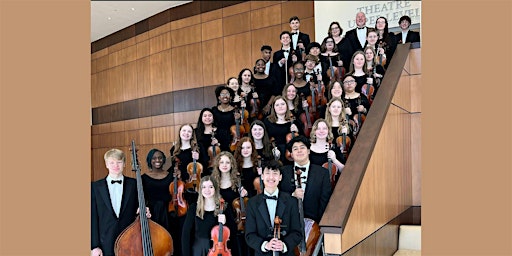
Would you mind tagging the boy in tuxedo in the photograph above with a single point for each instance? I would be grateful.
(114, 204)
(263, 209)
(299, 40)
(406, 36)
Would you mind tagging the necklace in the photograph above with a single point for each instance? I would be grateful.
(223, 109)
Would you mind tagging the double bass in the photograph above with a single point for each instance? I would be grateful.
(177, 206)
(310, 239)
(143, 237)
(220, 236)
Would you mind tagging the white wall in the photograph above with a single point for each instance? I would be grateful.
(345, 13)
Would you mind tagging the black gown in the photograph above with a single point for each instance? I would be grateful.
(224, 121)
(156, 193)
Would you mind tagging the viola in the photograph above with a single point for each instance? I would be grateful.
(143, 237)
(177, 206)
(220, 236)
(277, 231)
(239, 205)
(258, 182)
(306, 247)
(194, 169)
(237, 131)
(213, 151)
(332, 168)
(306, 118)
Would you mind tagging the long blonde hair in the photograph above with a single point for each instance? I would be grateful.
(200, 198)
(233, 172)
(342, 119)
(315, 127)
(193, 140)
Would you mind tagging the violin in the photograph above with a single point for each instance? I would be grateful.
(312, 99)
(332, 168)
(237, 131)
(306, 247)
(177, 206)
(343, 142)
(213, 151)
(277, 231)
(245, 117)
(240, 207)
(255, 112)
(368, 89)
(359, 119)
(333, 73)
(194, 169)
(220, 236)
(322, 100)
(258, 182)
(143, 237)
(275, 150)
(289, 137)
(306, 118)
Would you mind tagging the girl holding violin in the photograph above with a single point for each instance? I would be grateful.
(235, 86)
(358, 70)
(336, 118)
(246, 158)
(258, 134)
(224, 115)
(331, 59)
(266, 87)
(357, 104)
(204, 215)
(279, 123)
(156, 183)
(246, 90)
(386, 40)
(323, 148)
(205, 130)
(374, 67)
(292, 99)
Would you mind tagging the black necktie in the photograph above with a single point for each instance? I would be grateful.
(116, 181)
(270, 197)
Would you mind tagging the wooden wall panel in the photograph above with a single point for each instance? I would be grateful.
(194, 66)
(301, 9)
(186, 22)
(189, 117)
(100, 96)
(237, 23)
(100, 53)
(161, 79)
(179, 67)
(265, 36)
(211, 29)
(162, 120)
(163, 134)
(212, 15)
(143, 77)
(102, 63)
(415, 83)
(262, 4)
(132, 124)
(238, 55)
(160, 43)
(116, 84)
(142, 37)
(143, 49)
(236, 9)
(213, 62)
(187, 35)
(266, 17)
(94, 64)
(129, 81)
(159, 30)
(308, 26)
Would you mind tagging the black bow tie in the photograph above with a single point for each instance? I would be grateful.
(116, 181)
(302, 169)
(270, 197)
(294, 33)
(309, 74)
(286, 50)
(361, 28)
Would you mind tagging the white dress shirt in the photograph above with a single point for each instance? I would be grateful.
(116, 193)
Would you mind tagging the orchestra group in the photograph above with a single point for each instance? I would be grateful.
(254, 175)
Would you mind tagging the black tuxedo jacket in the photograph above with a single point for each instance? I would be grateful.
(318, 189)
(351, 36)
(105, 226)
(259, 229)
(412, 36)
(304, 38)
(280, 71)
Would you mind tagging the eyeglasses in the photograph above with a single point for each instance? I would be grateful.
(349, 82)
(329, 41)
(298, 69)
(381, 22)
(224, 94)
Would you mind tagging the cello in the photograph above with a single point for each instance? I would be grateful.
(178, 206)
(194, 169)
(309, 240)
(220, 237)
(144, 236)
(240, 207)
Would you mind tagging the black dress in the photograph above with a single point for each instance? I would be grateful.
(224, 121)
(279, 132)
(156, 193)
(196, 239)
(360, 81)
(205, 141)
(248, 176)
(266, 88)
